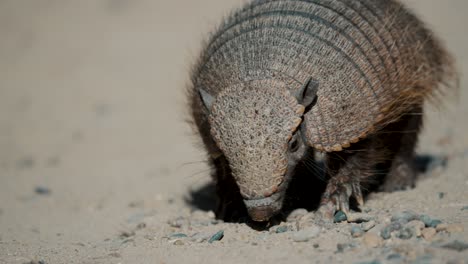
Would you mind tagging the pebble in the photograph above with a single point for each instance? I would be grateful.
(456, 245)
(178, 222)
(404, 217)
(281, 229)
(395, 257)
(428, 233)
(306, 234)
(441, 195)
(386, 232)
(341, 247)
(366, 226)
(178, 235)
(296, 215)
(41, 190)
(371, 240)
(415, 226)
(178, 242)
(216, 237)
(465, 208)
(435, 222)
(359, 217)
(126, 234)
(340, 216)
(405, 233)
(425, 219)
(356, 231)
(306, 221)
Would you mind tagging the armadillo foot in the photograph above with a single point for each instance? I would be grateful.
(337, 195)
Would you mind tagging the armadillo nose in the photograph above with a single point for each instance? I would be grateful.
(262, 214)
(263, 209)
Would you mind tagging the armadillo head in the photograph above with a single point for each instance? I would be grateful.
(256, 127)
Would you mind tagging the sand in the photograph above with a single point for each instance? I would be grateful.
(97, 163)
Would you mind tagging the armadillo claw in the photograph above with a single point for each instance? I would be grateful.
(336, 198)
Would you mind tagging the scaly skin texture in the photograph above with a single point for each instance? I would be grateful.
(279, 79)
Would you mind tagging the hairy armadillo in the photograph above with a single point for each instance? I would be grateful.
(279, 79)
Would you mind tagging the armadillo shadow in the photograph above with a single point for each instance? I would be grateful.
(306, 187)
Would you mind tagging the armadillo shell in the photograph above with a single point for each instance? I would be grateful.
(367, 55)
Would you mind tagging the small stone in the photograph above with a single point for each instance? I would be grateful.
(395, 256)
(426, 220)
(178, 242)
(371, 240)
(441, 195)
(296, 215)
(340, 216)
(281, 229)
(428, 233)
(386, 232)
(216, 237)
(434, 223)
(141, 225)
(415, 226)
(404, 217)
(366, 226)
(178, 235)
(456, 245)
(127, 234)
(178, 222)
(465, 208)
(359, 217)
(356, 231)
(306, 234)
(454, 228)
(405, 233)
(316, 245)
(342, 247)
(41, 190)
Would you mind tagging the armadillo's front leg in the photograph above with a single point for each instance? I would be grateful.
(346, 171)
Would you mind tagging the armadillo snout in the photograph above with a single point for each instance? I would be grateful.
(263, 209)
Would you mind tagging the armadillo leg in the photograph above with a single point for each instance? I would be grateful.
(403, 135)
(230, 205)
(347, 170)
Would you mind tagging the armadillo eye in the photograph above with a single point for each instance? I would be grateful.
(293, 144)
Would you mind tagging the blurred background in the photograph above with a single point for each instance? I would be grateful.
(93, 110)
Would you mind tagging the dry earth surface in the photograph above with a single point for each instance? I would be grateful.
(97, 164)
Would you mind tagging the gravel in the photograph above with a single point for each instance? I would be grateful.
(306, 234)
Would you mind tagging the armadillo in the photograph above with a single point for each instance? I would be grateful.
(280, 79)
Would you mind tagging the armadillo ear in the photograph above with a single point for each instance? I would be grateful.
(307, 95)
(206, 98)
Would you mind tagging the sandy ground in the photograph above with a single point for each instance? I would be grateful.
(96, 163)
